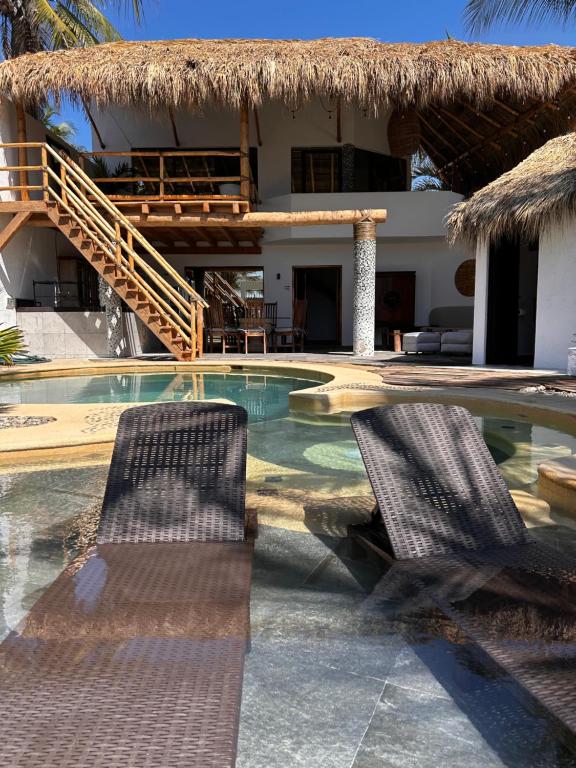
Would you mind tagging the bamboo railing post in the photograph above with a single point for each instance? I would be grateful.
(130, 241)
(22, 150)
(245, 152)
(193, 328)
(161, 174)
(118, 243)
(64, 181)
(45, 179)
(200, 329)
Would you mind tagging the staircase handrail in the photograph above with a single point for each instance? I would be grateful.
(119, 217)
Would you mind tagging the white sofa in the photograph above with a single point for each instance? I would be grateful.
(449, 332)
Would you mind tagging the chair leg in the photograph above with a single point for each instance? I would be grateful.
(246, 344)
(264, 342)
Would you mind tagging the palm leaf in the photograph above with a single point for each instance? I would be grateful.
(481, 14)
(11, 342)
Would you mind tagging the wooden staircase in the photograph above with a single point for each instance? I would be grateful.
(218, 288)
(118, 251)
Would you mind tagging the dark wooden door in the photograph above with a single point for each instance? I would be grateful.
(395, 299)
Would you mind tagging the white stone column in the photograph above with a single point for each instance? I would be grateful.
(364, 288)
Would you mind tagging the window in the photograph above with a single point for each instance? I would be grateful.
(322, 170)
(317, 170)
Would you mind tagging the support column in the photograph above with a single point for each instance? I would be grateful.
(245, 152)
(22, 152)
(364, 288)
(111, 303)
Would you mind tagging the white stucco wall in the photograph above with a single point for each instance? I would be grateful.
(556, 301)
(481, 303)
(431, 259)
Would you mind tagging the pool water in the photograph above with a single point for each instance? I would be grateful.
(264, 396)
(329, 681)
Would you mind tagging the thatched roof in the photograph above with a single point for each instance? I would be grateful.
(537, 192)
(481, 107)
(184, 72)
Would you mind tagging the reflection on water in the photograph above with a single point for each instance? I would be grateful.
(263, 396)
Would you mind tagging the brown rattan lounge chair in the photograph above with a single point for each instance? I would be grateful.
(446, 520)
(437, 487)
(134, 656)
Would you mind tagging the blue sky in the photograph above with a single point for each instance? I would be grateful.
(408, 20)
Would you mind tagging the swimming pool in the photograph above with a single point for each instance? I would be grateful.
(393, 698)
(264, 395)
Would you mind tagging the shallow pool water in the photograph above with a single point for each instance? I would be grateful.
(393, 698)
(265, 396)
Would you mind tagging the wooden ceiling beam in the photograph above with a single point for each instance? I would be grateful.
(521, 118)
(438, 135)
(465, 125)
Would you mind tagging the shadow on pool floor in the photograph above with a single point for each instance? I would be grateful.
(331, 681)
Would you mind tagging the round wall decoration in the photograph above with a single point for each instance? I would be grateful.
(465, 276)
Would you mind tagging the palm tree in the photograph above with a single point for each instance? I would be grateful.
(481, 14)
(425, 175)
(27, 26)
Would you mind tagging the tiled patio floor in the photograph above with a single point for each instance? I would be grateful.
(333, 682)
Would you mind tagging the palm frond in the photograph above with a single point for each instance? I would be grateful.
(425, 174)
(479, 15)
(87, 22)
(11, 342)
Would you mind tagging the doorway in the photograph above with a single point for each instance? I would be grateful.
(321, 288)
(512, 290)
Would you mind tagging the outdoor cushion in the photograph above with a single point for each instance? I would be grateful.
(421, 341)
(457, 341)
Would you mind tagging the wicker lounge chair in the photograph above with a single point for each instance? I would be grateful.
(437, 487)
(134, 656)
(445, 514)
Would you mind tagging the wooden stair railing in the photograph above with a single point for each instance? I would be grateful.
(135, 270)
(217, 286)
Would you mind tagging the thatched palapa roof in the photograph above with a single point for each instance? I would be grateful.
(539, 191)
(192, 72)
(481, 107)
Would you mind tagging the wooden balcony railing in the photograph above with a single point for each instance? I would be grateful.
(169, 174)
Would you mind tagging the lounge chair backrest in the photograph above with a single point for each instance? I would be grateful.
(437, 486)
(178, 473)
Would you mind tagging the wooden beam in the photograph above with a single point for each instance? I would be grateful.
(260, 218)
(339, 120)
(221, 250)
(12, 227)
(245, 151)
(16, 206)
(522, 117)
(174, 129)
(22, 151)
(93, 124)
(257, 123)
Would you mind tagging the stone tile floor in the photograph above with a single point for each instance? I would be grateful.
(333, 682)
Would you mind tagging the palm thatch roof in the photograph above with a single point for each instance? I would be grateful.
(539, 191)
(192, 72)
(481, 108)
